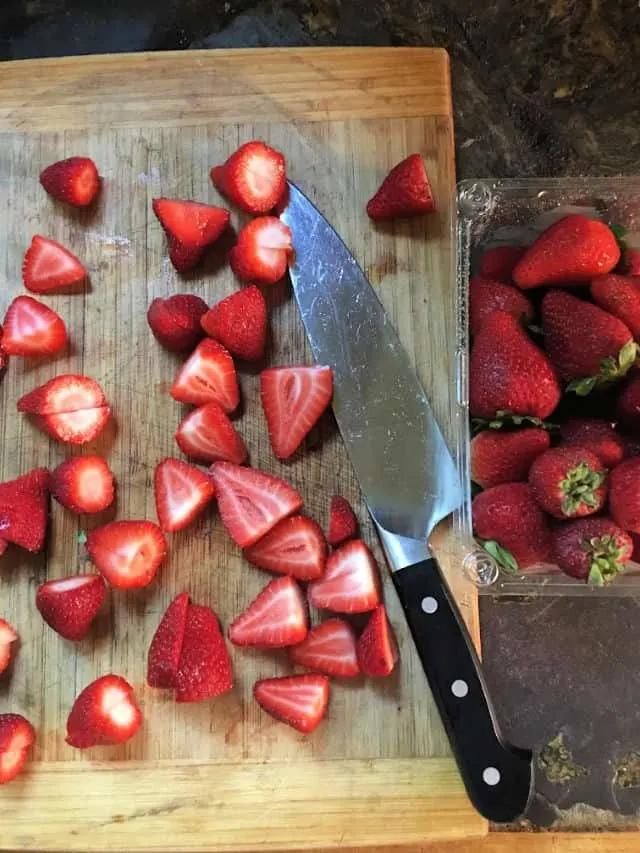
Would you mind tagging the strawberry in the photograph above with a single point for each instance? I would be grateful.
(262, 251)
(597, 436)
(49, 266)
(499, 263)
(253, 178)
(300, 701)
(251, 502)
(506, 457)
(487, 296)
(620, 296)
(175, 321)
(127, 553)
(190, 228)
(588, 346)
(31, 328)
(624, 495)
(83, 484)
(351, 582)
(75, 181)
(70, 605)
(207, 434)
(568, 482)
(509, 517)
(330, 648)
(343, 523)
(166, 645)
(631, 446)
(4, 358)
(104, 714)
(628, 406)
(592, 549)
(573, 250)
(66, 393)
(294, 547)
(377, 646)
(405, 192)
(293, 399)
(207, 375)
(182, 491)
(632, 261)
(205, 668)
(78, 427)
(239, 323)
(24, 509)
(277, 617)
(16, 736)
(8, 637)
(508, 373)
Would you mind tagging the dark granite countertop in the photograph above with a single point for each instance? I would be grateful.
(541, 87)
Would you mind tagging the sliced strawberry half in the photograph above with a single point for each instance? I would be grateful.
(175, 321)
(253, 177)
(166, 645)
(83, 484)
(49, 266)
(190, 227)
(127, 553)
(294, 547)
(405, 192)
(343, 523)
(24, 509)
(208, 375)
(8, 636)
(276, 618)
(75, 181)
(330, 648)
(293, 399)
(182, 491)
(16, 736)
(377, 646)
(239, 323)
(63, 394)
(70, 605)
(351, 582)
(31, 328)
(104, 714)
(251, 502)
(207, 434)
(262, 251)
(205, 668)
(300, 701)
(79, 427)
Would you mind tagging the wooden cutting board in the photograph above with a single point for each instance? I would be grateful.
(219, 775)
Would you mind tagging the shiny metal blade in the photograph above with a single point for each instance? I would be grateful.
(405, 470)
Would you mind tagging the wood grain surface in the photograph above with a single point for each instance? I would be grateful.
(212, 775)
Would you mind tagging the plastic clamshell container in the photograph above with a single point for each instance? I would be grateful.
(494, 213)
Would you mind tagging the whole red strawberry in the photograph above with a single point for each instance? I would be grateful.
(620, 296)
(500, 262)
(597, 436)
(487, 296)
(509, 516)
(624, 495)
(568, 482)
(592, 549)
(508, 373)
(405, 192)
(573, 250)
(175, 321)
(506, 457)
(628, 406)
(588, 346)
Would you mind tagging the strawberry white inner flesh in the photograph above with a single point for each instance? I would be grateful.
(182, 495)
(306, 700)
(11, 761)
(67, 584)
(261, 176)
(74, 397)
(52, 262)
(271, 240)
(116, 704)
(32, 324)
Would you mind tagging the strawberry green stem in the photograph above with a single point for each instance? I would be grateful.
(604, 560)
(579, 489)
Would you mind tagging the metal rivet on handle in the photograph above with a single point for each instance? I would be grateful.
(429, 604)
(459, 688)
(491, 776)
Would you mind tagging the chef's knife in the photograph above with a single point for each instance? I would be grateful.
(410, 483)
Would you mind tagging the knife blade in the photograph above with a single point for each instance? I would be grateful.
(410, 483)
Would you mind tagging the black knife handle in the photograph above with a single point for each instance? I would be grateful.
(498, 777)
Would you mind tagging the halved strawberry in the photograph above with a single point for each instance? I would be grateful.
(83, 484)
(351, 582)
(127, 553)
(207, 375)
(405, 192)
(295, 547)
(190, 227)
(276, 618)
(166, 645)
(251, 502)
(75, 180)
(8, 636)
(254, 177)
(207, 434)
(182, 491)
(239, 323)
(175, 321)
(70, 605)
(49, 266)
(79, 427)
(262, 251)
(104, 714)
(31, 328)
(16, 736)
(205, 668)
(377, 646)
(330, 648)
(66, 393)
(300, 701)
(343, 523)
(293, 398)
(24, 509)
